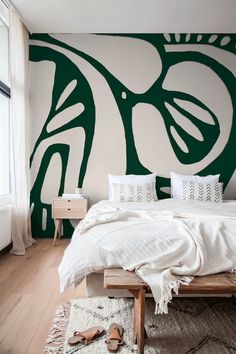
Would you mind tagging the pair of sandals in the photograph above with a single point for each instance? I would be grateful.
(114, 336)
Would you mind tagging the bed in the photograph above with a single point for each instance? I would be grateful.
(166, 242)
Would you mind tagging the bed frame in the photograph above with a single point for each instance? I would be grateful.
(222, 283)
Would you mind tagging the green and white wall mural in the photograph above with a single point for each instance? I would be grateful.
(130, 103)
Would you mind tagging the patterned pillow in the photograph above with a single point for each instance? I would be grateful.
(176, 180)
(122, 192)
(204, 192)
(130, 179)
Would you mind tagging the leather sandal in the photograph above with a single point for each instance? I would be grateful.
(114, 337)
(87, 336)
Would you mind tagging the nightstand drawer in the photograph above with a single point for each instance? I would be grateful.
(69, 208)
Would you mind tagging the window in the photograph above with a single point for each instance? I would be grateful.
(5, 94)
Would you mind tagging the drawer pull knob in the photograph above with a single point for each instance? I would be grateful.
(68, 209)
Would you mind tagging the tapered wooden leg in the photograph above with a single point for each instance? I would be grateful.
(57, 231)
(139, 319)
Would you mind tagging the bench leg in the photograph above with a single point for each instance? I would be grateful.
(135, 318)
(139, 314)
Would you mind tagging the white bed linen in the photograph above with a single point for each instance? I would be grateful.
(165, 242)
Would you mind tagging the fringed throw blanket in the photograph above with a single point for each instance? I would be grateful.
(165, 246)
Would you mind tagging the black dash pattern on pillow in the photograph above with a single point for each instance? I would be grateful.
(121, 192)
(204, 192)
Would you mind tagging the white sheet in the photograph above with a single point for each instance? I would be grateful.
(166, 242)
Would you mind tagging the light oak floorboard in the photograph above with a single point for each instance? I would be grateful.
(29, 294)
(22, 281)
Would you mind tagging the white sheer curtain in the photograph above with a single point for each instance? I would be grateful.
(20, 183)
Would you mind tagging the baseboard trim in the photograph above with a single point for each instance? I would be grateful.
(6, 249)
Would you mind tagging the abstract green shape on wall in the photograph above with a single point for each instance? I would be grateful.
(82, 93)
(196, 150)
(36, 202)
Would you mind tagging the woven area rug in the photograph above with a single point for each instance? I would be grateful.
(202, 326)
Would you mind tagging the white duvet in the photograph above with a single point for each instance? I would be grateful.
(166, 242)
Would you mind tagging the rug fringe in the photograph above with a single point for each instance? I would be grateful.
(58, 330)
(54, 350)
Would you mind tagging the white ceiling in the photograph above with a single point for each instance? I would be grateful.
(127, 16)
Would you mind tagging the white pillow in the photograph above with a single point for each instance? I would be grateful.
(176, 182)
(132, 180)
(204, 192)
(122, 192)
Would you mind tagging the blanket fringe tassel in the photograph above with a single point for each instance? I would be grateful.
(162, 305)
(56, 336)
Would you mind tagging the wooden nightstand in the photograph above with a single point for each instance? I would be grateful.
(63, 208)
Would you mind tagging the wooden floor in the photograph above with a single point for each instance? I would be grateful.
(29, 294)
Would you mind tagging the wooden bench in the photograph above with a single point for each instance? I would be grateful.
(223, 283)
